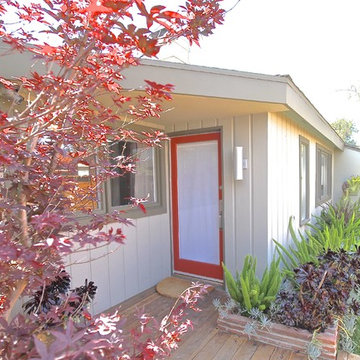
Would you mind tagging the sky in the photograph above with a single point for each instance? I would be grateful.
(316, 42)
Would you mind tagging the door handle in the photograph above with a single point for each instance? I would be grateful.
(221, 213)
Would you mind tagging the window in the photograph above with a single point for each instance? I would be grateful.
(81, 185)
(144, 182)
(89, 196)
(323, 175)
(304, 179)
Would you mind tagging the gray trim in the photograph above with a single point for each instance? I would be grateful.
(306, 142)
(195, 131)
(154, 208)
(352, 147)
(318, 199)
(282, 90)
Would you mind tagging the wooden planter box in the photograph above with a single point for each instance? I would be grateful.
(282, 336)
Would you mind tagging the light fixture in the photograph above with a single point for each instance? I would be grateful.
(238, 164)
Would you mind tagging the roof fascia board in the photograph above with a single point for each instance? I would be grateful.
(205, 81)
(299, 103)
(199, 81)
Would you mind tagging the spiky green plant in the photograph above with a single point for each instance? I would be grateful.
(248, 291)
(333, 230)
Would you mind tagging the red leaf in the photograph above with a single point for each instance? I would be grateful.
(156, 9)
(45, 49)
(174, 15)
(94, 9)
(142, 208)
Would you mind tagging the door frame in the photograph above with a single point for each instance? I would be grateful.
(191, 267)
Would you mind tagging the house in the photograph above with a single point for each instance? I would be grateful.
(246, 152)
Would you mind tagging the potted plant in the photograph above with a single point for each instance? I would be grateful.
(301, 310)
(297, 315)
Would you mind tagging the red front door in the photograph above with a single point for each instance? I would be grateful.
(196, 199)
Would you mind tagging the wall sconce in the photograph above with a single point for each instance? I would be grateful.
(239, 163)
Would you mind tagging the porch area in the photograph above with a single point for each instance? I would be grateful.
(206, 342)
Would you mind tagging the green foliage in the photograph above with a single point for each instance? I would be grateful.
(314, 347)
(303, 250)
(248, 291)
(345, 129)
(356, 337)
(351, 186)
(330, 213)
(349, 327)
(338, 227)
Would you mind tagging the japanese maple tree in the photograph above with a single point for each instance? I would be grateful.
(55, 120)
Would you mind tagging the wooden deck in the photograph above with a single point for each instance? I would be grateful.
(206, 342)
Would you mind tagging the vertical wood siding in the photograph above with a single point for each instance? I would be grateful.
(283, 185)
(244, 201)
(227, 132)
(256, 209)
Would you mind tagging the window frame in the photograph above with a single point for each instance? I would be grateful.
(101, 209)
(320, 199)
(152, 208)
(304, 142)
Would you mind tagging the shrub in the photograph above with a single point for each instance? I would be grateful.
(344, 213)
(338, 227)
(322, 292)
(248, 291)
(304, 249)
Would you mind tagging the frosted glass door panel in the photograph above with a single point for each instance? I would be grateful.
(198, 201)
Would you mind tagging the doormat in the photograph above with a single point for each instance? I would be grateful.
(173, 287)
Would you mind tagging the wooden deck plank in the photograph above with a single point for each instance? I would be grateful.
(230, 347)
(133, 301)
(353, 357)
(263, 352)
(204, 322)
(206, 342)
(281, 354)
(298, 356)
(212, 347)
(342, 355)
(189, 344)
(246, 350)
(158, 308)
(203, 343)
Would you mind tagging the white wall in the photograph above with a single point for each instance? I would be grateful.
(122, 271)
(283, 186)
(347, 164)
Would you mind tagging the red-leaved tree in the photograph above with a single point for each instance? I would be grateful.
(54, 121)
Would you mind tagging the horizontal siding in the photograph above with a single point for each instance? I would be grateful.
(283, 185)
(122, 271)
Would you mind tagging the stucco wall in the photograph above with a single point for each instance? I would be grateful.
(347, 163)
